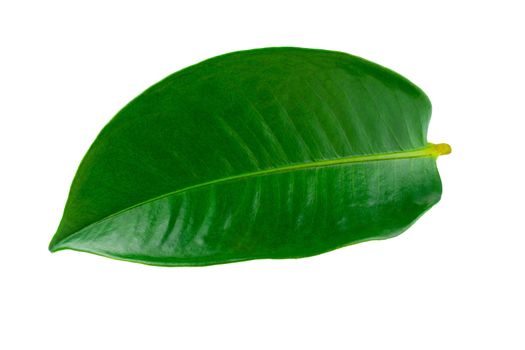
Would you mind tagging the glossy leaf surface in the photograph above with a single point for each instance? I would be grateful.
(268, 153)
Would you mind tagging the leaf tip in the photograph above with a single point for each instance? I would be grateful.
(54, 245)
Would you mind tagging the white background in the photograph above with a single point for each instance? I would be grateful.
(455, 280)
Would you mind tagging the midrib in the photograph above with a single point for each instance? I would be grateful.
(431, 150)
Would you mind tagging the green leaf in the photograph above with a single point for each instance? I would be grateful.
(268, 153)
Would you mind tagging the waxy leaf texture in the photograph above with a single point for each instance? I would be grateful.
(268, 153)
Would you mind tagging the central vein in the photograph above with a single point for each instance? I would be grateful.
(432, 150)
